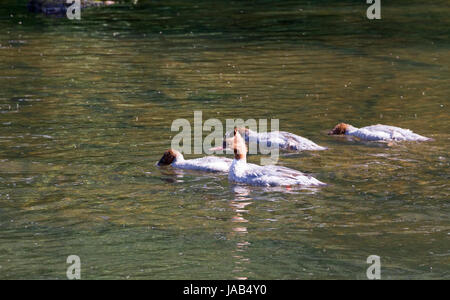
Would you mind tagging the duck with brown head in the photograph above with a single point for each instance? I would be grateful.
(208, 163)
(168, 157)
(338, 129)
(377, 133)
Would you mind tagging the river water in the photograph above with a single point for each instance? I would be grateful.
(86, 109)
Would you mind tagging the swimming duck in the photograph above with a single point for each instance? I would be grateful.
(285, 140)
(377, 133)
(208, 163)
(270, 175)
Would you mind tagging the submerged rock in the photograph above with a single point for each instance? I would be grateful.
(59, 7)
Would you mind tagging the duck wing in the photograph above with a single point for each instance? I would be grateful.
(395, 133)
(272, 175)
(295, 142)
(254, 171)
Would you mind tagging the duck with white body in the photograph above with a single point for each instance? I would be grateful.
(270, 175)
(207, 164)
(378, 133)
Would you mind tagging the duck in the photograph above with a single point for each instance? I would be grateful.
(378, 132)
(211, 163)
(269, 175)
(285, 140)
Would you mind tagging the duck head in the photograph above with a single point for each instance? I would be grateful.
(168, 157)
(238, 145)
(340, 128)
(236, 142)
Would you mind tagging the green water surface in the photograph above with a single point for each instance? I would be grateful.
(86, 109)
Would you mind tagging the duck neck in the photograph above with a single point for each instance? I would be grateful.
(350, 130)
(238, 155)
(241, 158)
(179, 159)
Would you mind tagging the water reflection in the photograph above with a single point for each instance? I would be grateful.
(239, 232)
(172, 175)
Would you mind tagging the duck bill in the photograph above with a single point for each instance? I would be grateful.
(161, 162)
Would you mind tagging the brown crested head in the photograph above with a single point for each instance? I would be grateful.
(168, 157)
(338, 129)
(239, 147)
